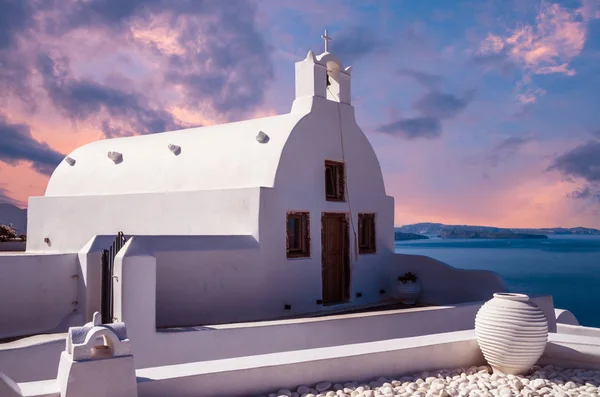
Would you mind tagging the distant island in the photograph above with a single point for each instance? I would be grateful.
(419, 230)
(462, 233)
(401, 236)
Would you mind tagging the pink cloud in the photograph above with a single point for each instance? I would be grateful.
(544, 47)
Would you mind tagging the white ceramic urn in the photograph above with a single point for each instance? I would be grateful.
(408, 292)
(512, 333)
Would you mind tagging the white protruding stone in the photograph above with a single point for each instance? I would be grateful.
(175, 149)
(261, 137)
(116, 157)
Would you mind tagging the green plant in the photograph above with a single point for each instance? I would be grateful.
(7, 233)
(408, 277)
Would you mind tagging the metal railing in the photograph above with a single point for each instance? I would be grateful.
(108, 261)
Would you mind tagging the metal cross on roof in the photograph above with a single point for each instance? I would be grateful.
(327, 40)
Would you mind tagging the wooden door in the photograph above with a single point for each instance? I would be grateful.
(335, 258)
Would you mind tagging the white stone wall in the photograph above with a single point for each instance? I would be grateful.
(442, 284)
(37, 292)
(208, 279)
(70, 222)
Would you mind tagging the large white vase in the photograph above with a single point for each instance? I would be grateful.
(408, 292)
(512, 333)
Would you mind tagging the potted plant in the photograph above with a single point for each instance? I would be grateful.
(7, 233)
(408, 288)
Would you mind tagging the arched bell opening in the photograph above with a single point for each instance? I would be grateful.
(333, 81)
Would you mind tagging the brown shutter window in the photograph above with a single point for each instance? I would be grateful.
(366, 234)
(335, 181)
(298, 235)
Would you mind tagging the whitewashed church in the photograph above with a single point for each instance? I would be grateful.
(289, 209)
(255, 220)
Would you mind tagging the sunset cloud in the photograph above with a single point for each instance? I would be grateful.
(545, 47)
(19, 145)
(6, 197)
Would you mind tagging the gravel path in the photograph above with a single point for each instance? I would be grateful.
(474, 381)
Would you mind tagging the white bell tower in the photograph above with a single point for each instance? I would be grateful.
(323, 76)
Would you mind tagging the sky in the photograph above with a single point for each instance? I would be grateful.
(481, 112)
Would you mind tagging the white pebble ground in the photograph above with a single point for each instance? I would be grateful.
(475, 381)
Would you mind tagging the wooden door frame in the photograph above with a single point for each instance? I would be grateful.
(346, 255)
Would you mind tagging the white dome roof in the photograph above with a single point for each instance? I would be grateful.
(225, 156)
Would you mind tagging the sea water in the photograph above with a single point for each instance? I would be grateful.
(566, 267)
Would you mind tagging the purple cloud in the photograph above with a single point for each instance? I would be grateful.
(356, 43)
(81, 99)
(15, 16)
(583, 161)
(19, 145)
(5, 198)
(413, 128)
(434, 107)
(428, 80)
(506, 148)
(443, 106)
(585, 192)
(228, 72)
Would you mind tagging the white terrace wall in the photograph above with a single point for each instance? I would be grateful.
(37, 292)
(12, 246)
(135, 305)
(68, 222)
(443, 284)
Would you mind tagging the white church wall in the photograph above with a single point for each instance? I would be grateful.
(37, 292)
(70, 222)
(300, 186)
